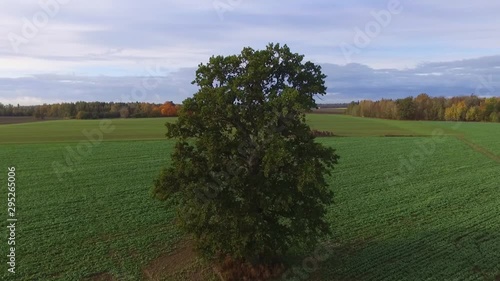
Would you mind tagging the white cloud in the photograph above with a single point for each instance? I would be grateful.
(24, 100)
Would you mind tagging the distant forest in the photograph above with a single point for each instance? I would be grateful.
(423, 107)
(92, 110)
(333, 105)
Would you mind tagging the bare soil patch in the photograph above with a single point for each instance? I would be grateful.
(182, 263)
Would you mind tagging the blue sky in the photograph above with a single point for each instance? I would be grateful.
(109, 50)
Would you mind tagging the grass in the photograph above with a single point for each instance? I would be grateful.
(98, 219)
(16, 120)
(72, 130)
(154, 129)
(441, 221)
(330, 110)
(436, 218)
(344, 125)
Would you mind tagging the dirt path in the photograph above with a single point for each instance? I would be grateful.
(480, 149)
(181, 264)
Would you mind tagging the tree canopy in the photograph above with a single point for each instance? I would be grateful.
(247, 176)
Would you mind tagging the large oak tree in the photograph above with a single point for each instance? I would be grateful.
(247, 176)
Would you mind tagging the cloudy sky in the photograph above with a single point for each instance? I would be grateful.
(110, 50)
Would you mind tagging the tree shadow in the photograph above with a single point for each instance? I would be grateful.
(452, 254)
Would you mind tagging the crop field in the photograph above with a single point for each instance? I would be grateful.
(72, 130)
(413, 201)
(17, 120)
(330, 110)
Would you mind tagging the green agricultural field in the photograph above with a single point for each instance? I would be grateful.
(413, 201)
(73, 130)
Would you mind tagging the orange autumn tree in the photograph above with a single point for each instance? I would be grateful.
(168, 109)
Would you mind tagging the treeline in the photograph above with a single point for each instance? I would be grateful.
(333, 105)
(424, 107)
(92, 110)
